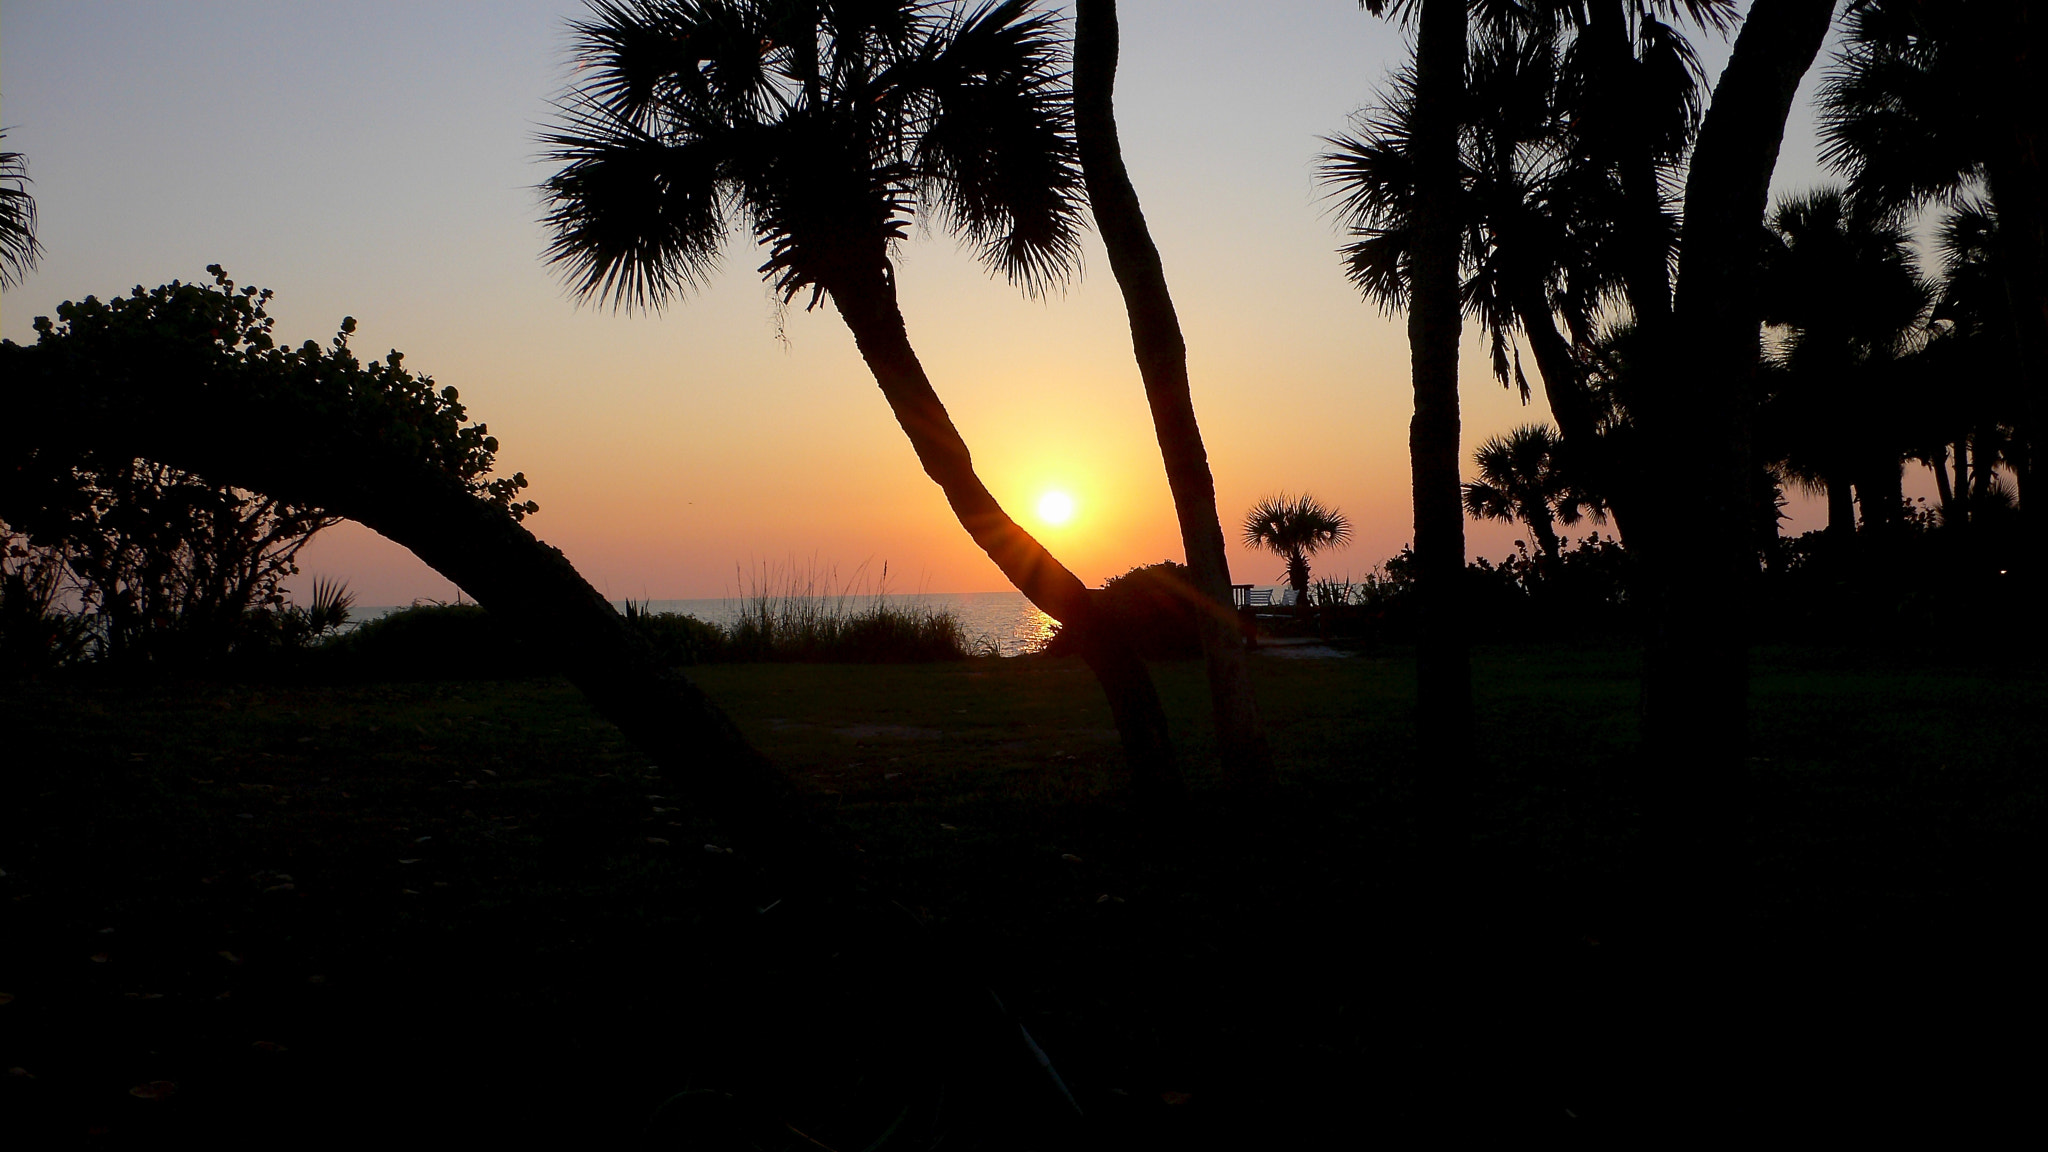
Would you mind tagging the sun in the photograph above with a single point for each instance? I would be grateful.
(1055, 507)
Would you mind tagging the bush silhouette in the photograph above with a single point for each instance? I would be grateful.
(434, 642)
(1154, 605)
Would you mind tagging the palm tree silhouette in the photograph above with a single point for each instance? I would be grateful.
(1694, 342)
(1429, 264)
(1519, 480)
(1162, 358)
(1549, 231)
(1295, 529)
(1927, 100)
(1980, 398)
(1842, 282)
(19, 248)
(828, 128)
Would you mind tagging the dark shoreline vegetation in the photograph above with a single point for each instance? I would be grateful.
(466, 909)
(462, 641)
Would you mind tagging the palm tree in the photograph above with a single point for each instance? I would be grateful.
(1550, 232)
(1431, 236)
(1843, 284)
(1519, 480)
(1928, 101)
(19, 248)
(1295, 529)
(827, 129)
(1621, 147)
(1980, 397)
(1163, 364)
(1697, 554)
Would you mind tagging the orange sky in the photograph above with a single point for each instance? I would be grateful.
(389, 176)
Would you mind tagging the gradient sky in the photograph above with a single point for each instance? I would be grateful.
(379, 160)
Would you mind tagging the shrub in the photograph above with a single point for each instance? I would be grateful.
(1525, 596)
(832, 631)
(1153, 604)
(433, 642)
(677, 638)
(36, 634)
(463, 642)
(795, 615)
(168, 564)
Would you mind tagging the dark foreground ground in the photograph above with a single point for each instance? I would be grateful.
(465, 913)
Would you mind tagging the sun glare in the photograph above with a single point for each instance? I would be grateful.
(1055, 507)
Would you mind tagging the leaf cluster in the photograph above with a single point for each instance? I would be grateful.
(220, 337)
(826, 126)
(1522, 478)
(1916, 100)
(19, 247)
(1555, 105)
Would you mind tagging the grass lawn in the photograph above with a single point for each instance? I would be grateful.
(466, 911)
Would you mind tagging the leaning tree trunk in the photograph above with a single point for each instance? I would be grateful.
(1962, 483)
(1435, 323)
(1841, 509)
(194, 417)
(1646, 271)
(1544, 528)
(866, 299)
(1939, 466)
(1641, 224)
(1163, 365)
(1585, 453)
(1698, 556)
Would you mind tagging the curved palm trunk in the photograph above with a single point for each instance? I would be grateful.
(1646, 273)
(1841, 509)
(1698, 557)
(1435, 323)
(1880, 493)
(1544, 527)
(1163, 365)
(1939, 466)
(867, 302)
(1572, 407)
(1297, 577)
(1645, 269)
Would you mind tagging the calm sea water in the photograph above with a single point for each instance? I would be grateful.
(1004, 617)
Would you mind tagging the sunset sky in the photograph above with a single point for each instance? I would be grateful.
(379, 160)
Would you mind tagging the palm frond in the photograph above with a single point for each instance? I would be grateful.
(1371, 175)
(637, 220)
(1900, 116)
(996, 155)
(1485, 502)
(1300, 524)
(19, 247)
(827, 125)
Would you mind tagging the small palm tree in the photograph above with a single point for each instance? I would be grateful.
(19, 248)
(1296, 529)
(1519, 480)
